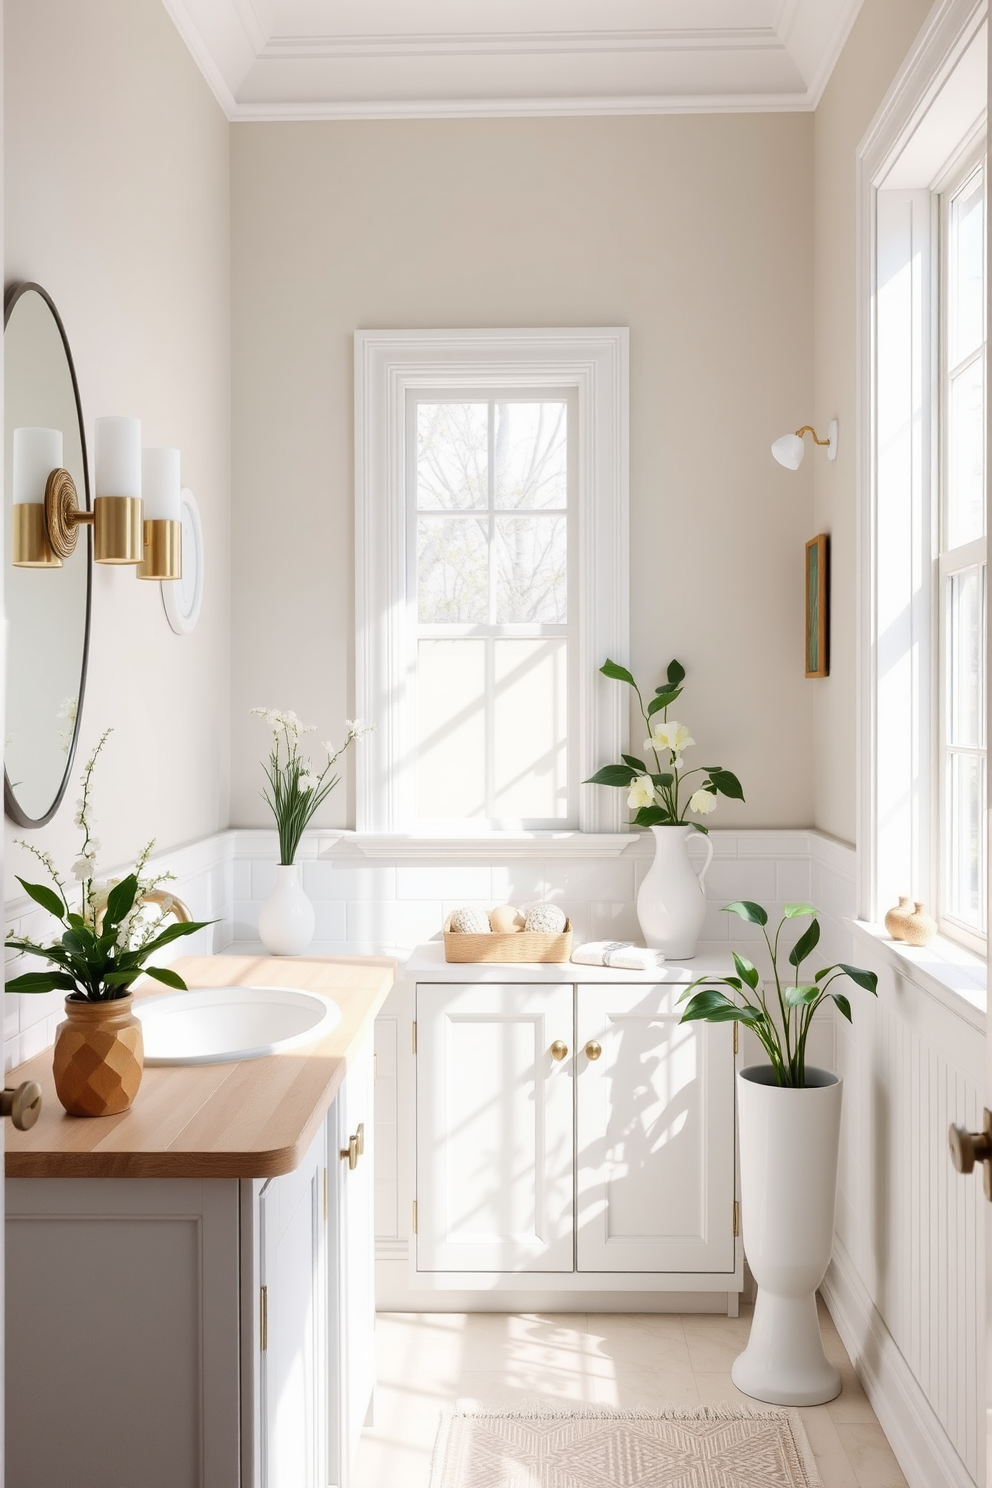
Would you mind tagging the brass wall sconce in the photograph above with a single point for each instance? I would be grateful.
(789, 450)
(129, 527)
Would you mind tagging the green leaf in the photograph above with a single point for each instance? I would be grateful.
(122, 978)
(747, 971)
(41, 981)
(747, 910)
(618, 775)
(676, 673)
(47, 898)
(727, 784)
(706, 1003)
(861, 978)
(617, 672)
(711, 985)
(120, 900)
(793, 911)
(843, 1004)
(651, 816)
(805, 943)
(664, 698)
(166, 977)
(798, 996)
(635, 764)
(752, 1017)
(173, 932)
(665, 778)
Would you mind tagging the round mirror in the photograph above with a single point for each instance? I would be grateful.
(48, 608)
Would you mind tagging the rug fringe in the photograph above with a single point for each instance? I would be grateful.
(615, 1413)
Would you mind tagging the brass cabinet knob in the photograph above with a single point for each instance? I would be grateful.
(559, 1050)
(22, 1105)
(351, 1153)
(360, 1136)
(969, 1148)
(593, 1050)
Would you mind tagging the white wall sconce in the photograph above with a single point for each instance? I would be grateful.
(127, 529)
(789, 450)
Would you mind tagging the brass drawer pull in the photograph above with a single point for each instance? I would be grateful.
(351, 1153)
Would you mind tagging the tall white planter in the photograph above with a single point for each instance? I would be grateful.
(286, 919)
(670, 902)
(788, 1148)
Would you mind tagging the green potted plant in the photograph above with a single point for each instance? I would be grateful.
(662, 794)
(104, 947)
(788, 1117)
(294, 790)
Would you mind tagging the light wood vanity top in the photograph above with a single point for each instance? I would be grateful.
(252, 1119)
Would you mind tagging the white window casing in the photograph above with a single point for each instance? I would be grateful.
(592, 366)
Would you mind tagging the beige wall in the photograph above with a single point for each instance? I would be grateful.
(117, 201)
(882, 35)
(694, 232)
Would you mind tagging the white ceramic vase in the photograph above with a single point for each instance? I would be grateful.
(788, 1145)
(670, 902)
(286, 919)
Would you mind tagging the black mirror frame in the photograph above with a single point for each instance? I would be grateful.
(10, 804)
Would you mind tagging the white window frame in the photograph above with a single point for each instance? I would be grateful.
(929, 118)
(390, 364)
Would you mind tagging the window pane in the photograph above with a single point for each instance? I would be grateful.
(451, 728)
(966, 456)
(966, 270)
(531, 570)
(452, 570)
(966, 619)
(452, 456)
(966, 788)
(531, 728)
(531, 455)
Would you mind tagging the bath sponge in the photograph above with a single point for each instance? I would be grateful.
(547, 918)
(470, 921)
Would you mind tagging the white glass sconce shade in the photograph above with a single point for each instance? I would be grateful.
(160, 484)
(118, 457)
(36, 453)
(789, 451)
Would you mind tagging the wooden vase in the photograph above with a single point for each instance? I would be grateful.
(895, 920)
(919, 928)
(98, 1057)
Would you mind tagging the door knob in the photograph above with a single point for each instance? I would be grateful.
(351, 1154)
(593, 1050)
(22, 1105)
(969, 1148)
(360, 1134)
(559, 1050)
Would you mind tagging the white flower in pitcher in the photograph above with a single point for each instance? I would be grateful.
(674, 736)
(641, 792)
(702, 802)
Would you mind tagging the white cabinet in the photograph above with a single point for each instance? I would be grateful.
(293, 1325)
(654, 1134)
(494, 1129)
(351, 1269)
(616, 1159)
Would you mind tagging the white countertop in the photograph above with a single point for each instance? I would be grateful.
(427, 963)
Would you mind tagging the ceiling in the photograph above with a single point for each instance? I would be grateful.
(388, 59)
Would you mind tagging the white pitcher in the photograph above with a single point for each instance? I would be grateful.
(670, 902)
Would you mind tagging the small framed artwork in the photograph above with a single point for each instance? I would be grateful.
(818, 606)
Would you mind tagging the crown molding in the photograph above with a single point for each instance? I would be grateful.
(520, 108)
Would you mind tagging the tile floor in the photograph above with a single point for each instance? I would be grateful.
(428, 1360)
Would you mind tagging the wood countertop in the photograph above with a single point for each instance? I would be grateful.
(250, 1119)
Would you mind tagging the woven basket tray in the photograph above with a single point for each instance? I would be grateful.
(518, 945)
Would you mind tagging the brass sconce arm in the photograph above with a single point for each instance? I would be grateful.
(808, 429)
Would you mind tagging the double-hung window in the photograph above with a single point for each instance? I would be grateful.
(491, 577)
(922, 231)
(961, 565)
(492, 551)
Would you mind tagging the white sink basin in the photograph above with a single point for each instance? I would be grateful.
(217, 1025)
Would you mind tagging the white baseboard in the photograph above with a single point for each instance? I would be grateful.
(921, 1445)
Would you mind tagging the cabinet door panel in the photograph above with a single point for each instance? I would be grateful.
(291, 1220)
(655, 1134)
(494, 1128)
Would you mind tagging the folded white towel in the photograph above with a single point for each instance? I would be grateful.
(617, 953)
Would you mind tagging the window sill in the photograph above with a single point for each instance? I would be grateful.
(429, 848)
(954, 976)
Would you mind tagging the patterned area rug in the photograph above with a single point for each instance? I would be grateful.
(712, 1447)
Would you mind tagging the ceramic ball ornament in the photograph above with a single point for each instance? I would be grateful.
(547, 919)
(470, 921)
(504, 919)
